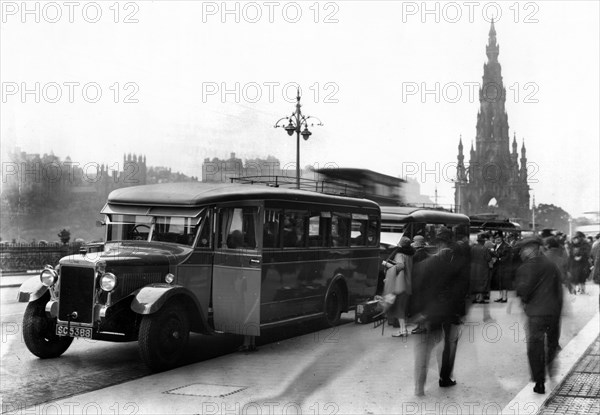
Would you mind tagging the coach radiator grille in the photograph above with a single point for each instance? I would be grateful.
(76, 294)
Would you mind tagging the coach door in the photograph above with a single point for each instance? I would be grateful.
(237, 271)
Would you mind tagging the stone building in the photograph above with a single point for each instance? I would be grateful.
(495, 180)
(217, 170)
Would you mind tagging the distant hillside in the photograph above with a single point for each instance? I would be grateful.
(43, 194)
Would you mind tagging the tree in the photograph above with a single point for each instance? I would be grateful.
(64, 236)
(551, 217)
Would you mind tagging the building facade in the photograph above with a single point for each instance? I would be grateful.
(495, 179)
(218, 170)
(41, 194)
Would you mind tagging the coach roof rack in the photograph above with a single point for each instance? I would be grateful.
(326, 186)
(331, 187)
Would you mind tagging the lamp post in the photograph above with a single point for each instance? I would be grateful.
(295, 124)
(457, 200)
(533, 215)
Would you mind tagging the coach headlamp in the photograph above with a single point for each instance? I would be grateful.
(108, 281)
(49, 276)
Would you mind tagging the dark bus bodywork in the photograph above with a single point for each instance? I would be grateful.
(206, 258)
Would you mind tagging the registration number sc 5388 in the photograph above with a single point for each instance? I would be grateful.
(73, 331)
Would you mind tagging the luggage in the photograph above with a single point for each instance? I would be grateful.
(368, 312)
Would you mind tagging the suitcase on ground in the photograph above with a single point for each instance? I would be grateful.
(368, 312)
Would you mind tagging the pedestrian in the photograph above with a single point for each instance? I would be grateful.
(489, 245)
(480, 271)
(417, 281)
(398, 281)
(595, 254)
(557, 255)
(538, 284)
(502, 267)
(512, 239)
(441, 311)
(545, 234)
(578, 265)
(596, 245)
(249, 344)
(463, 253)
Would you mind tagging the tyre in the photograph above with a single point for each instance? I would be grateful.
(39, 331)
(163, 337)
(334, 303)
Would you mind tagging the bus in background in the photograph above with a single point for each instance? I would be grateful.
(491, 224)
(409, 221)
(206, 258)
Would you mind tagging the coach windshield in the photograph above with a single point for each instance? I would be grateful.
(180, 230)
(128, 228)
(177, 230)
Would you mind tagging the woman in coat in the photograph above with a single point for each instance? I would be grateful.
(579, 257)
(503, 266)
(398, 281)
(416, 299)
(480, 271)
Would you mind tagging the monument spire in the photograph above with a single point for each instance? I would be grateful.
(492, 49)
(460, 168)
(493, 171)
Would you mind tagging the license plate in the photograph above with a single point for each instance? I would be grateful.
(73, 331)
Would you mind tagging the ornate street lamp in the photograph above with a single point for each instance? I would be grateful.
(295, 124)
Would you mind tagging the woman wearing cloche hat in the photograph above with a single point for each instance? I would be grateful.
(398, 281)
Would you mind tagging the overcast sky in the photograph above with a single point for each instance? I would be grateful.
(181, 81)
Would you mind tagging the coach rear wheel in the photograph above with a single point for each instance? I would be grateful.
(334, 304)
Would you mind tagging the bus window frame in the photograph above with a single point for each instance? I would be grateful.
(304, 215)
(347, 219)
(278, 214)
(207, 219)
(257, 225)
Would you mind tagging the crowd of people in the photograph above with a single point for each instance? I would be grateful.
(432, 287)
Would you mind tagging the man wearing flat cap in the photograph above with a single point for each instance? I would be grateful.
(441, 307)
(538, 284)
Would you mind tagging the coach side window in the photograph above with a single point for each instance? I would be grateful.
(294, 224)
(319, 228)
(271, 228)
(364, 230)
(340, 229)
(238, 228)
(373, 231)
(206, 231)
(315, 238)
(359, 230)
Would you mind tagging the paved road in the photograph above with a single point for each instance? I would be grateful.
(349, 369)
(88, 365)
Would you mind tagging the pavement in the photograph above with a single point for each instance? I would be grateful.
(578, 390)
(355, 369)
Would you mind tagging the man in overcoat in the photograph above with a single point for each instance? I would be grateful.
(539, 285)
(442, 308)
